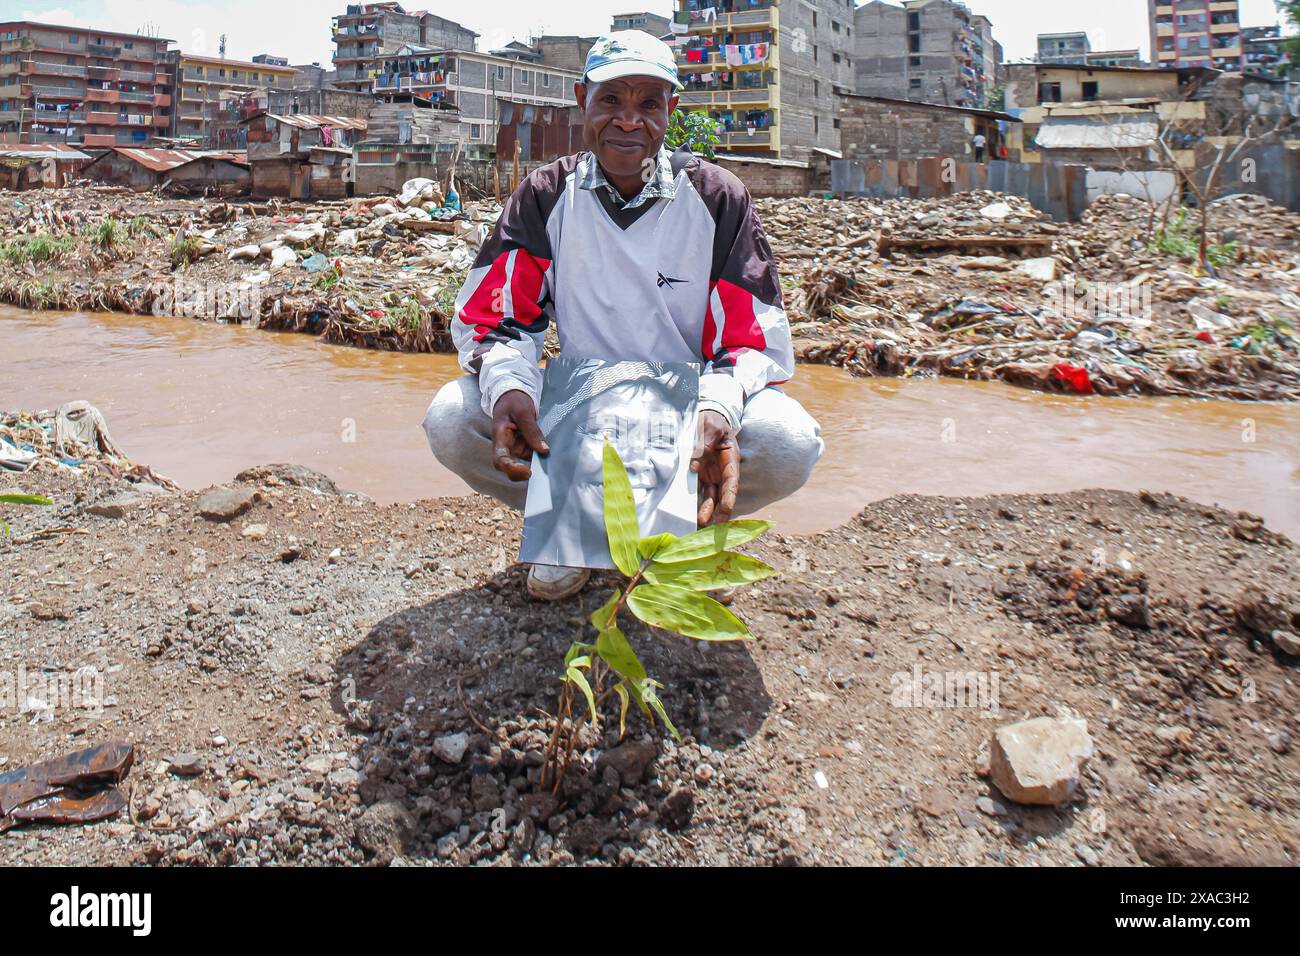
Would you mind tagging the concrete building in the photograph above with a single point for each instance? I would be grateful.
(1265, 51)
(875, 127)
(1115, 58)
(210, 94)
(652, 23)
(266, 59)
(472, 83)
(1205, 33)
(368, 31)
(1104, 117)
(85, 87)
(564, 52)
(1063, 47)
(767, 70)
(929, 51)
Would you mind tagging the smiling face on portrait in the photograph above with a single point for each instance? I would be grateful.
(624, 123)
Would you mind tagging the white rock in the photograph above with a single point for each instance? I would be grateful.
(319, 764)
(244, 252)
(346, 239)
(451, 748)
(1039, 761)
(1043, 269)
(283, 258)
(998, 210)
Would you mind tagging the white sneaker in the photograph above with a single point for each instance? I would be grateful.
(549, 583)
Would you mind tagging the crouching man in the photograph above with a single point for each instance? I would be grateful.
(638, 254)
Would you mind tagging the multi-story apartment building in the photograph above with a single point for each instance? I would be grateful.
(1196, 33)
(929, 51)
(473, 83)
(1115, 58)
(1265, 51)
(767, 70)
(207, 91)
(90, 87)
(368, 31)
(651, 23)
(1063, 47)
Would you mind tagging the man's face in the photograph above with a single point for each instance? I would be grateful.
(625, 121)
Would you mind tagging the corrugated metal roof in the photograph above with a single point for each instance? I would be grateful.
(1134, 131)
(163, 160)
(41, 151)
(309, 121)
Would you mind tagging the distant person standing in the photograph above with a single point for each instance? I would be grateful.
(980, 142)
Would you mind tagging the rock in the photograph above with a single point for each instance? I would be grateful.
(319, 764)
(226, 504)
(255, 532)
(451, 747)
(1038, 761)
(990, 807)
(1279, 742)
(1131, 610)
(677, 809)
(115, 507)
(1182, 736)
(1087, 854)
(186, 765)
(996, 211)
(1042, 269)
(1286, 642)
(386, 829)
(630, 758)
(282, 474)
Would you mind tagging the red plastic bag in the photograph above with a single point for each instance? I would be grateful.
(1073, 376)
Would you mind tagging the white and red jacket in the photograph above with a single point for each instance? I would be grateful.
(684, 279)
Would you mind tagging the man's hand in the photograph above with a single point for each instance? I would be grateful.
(515, 434)
(716, 459)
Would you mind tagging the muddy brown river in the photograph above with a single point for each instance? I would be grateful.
(199, 402)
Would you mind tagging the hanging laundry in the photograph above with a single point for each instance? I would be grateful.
(709, 14)
(734, 56)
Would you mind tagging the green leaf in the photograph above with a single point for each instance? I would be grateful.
(651, 698)
(615, 651)
(620, 514)
(686, 612)
(25, 500)
(621, 690)
(649, 547)
(579, 678)
(712, 573)
(635, 691)
(712, 540)
(603, 616)
(574, 650)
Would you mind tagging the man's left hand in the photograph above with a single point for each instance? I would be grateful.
(716, 459)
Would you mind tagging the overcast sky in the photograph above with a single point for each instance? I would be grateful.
(300, 29)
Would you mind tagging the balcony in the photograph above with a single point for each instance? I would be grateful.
(162, 99)
(103, 74)
(722, 99)
(741, 20)
(761, 139)
(161, 79)
(59, 116)
(101, 119)
(41, 68)
(101, 140)
(135, 96)
(53, 92)
(136, 76)
(102, 96)
(162, 121)
(101, 49)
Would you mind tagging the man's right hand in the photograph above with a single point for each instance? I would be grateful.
(515, 434)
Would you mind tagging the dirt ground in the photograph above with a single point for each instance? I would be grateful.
(320, 655)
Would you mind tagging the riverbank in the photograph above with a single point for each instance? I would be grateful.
(317, 657)
(976, 286)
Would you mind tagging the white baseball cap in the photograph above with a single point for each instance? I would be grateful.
(631, 53)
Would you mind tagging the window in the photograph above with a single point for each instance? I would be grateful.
(475, 131)
(835, 26)
(814, 21)
(914, 83)
(914, 22)
(835, 58)
(913, 61)
(814, 53)
(817, 88)
(1090, 91)
(1049, 92)
(221, 73)
(501, 72)
(525, 77)
(835, 124)
(546, 80)
(815, 126)
(73, 39)
(129, 45)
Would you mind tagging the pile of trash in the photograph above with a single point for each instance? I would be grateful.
(378, 272)
(983, 286)
(74, 437)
